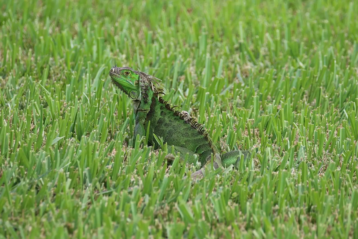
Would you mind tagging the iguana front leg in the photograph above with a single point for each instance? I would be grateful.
(139, 130)
(141, 108)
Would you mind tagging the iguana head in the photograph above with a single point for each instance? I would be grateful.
(127, 80)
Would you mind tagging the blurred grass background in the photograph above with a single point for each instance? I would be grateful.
(275, 77)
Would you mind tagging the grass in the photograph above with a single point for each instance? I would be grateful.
(277, 77)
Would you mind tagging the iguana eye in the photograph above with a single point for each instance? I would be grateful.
(126, 73)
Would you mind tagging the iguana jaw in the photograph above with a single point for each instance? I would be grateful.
(126, 80)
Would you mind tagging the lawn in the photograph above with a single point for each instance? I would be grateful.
(278, 78)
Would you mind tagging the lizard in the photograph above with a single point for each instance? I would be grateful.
(156, 118)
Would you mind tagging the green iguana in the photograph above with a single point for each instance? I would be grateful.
(177, 129)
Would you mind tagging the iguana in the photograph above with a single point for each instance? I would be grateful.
(177, 129)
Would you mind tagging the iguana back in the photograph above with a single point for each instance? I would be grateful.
(178, 129)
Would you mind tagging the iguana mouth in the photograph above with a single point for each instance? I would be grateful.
(116, 83)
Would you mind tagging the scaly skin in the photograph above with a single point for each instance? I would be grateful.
(176, 128)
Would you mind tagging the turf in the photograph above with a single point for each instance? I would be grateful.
(278, 78)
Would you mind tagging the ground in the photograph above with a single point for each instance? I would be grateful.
(278, 78)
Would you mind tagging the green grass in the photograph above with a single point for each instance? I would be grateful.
(277, 77)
